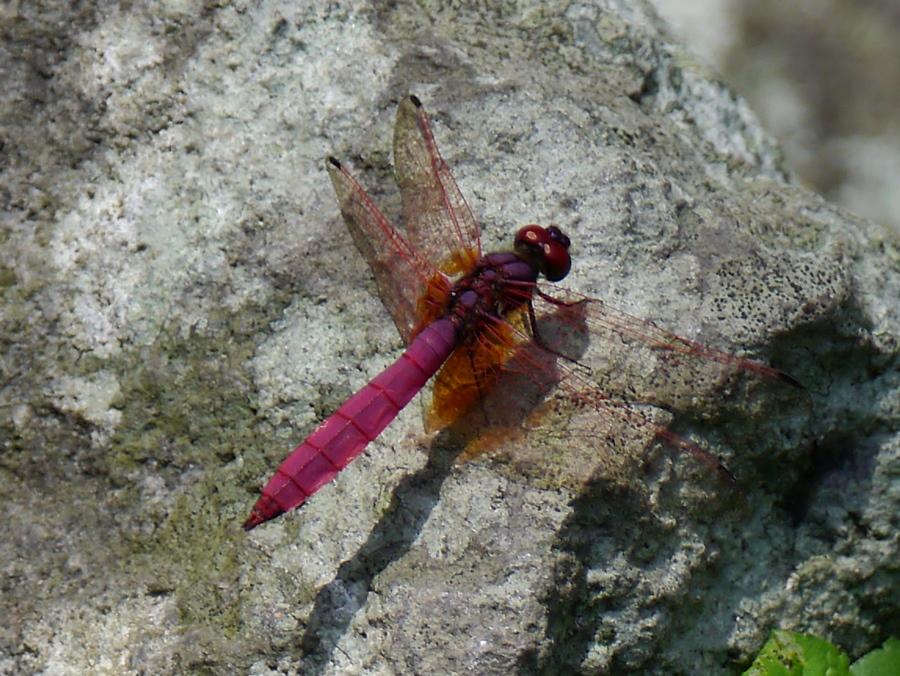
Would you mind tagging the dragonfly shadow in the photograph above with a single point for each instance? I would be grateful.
(338, 602)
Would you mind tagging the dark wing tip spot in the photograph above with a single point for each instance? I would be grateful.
(415, 100)
(334, 162)
(790, 380)
(726, 473)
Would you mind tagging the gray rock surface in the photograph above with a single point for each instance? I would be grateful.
(181, 304)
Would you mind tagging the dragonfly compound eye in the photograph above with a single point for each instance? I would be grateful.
(557, 262)
(531, 236)
(558, 235)
(548, 247)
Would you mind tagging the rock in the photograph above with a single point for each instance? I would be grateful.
(182, 304)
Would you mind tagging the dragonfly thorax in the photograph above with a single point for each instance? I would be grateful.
(499, 283)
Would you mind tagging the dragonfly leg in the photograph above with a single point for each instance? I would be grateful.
(558, 302)
(536, 334)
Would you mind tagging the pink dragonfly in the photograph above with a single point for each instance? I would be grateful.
(474, 319)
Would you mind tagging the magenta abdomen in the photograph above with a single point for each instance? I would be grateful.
(345, 434)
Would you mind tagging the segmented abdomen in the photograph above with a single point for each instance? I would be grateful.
(345, 434)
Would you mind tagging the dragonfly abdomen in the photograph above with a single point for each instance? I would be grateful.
(344, 435)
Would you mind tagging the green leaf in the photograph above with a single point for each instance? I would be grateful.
(883, 661)
(789, 654)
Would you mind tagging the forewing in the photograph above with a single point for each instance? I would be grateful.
(437, 219)
(400, 271)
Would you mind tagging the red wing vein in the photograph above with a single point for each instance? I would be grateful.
(400, 271)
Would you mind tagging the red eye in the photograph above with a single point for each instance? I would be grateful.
(556, 261)
(531, 235)
(548, 247)
(557, 235)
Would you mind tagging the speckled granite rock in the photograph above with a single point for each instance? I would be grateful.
(181, 303)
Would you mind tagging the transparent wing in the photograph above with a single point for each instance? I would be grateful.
(634, 358)
(436, 217)
(588, 395)
(547, 418)
(401, 272)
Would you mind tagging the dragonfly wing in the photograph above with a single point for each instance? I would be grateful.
(543, 404)
(634, 358)
(504, 394)
(472, 371)
(400, 271)
(437, 219)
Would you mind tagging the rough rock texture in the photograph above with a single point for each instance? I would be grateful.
(181, 303)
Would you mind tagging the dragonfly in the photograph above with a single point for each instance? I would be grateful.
(469, 319)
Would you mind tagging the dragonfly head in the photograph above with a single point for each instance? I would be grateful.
(547, 248)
